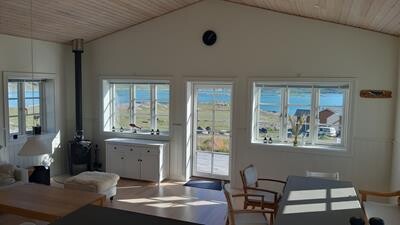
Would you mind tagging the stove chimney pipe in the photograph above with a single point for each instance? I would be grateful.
(77, 49)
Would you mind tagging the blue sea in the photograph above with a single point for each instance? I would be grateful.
(29, 101)
(270, 99)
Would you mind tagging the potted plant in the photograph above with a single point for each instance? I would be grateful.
(297, 123)
(37, 129)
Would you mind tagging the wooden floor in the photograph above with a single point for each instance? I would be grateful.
(170, 199)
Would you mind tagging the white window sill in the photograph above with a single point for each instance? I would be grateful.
(314, 149)
(22, 138)
(144, 135)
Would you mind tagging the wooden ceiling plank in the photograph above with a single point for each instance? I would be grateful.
(389, 15)
(39, 24)
(133, 8)
(62, 20)
(105, 11)
(355, 13)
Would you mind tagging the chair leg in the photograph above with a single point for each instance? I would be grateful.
(271, 218)
(111, 198)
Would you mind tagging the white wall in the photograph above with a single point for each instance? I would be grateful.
(395, 184)
(15, 56)
(258, 43)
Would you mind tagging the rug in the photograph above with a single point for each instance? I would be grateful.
(205, 184)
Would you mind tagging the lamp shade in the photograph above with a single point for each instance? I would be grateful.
(36, 145)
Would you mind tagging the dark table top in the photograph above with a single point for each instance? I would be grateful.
(315, 201)
(96, 215)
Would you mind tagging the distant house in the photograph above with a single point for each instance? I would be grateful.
(303, 112)
(326, 116)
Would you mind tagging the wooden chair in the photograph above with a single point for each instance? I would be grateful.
(250, 182)
(330, 176)
(245, 216)
(390, 213)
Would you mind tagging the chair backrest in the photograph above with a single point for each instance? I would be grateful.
(331, 176)
(229, 201)
(249, 177)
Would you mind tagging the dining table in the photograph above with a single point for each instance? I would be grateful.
(317, 201)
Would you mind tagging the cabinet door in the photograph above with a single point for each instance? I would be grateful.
(132, 164)
(115, 160)
(150, 168)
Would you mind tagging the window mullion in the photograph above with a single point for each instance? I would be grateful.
(42, 106)
(134, 106)
(131, 120)
(314, 115)
(285, 114)
(257, 112)
(153, 107)
(21, 119)
(113, 106)
(345, 115)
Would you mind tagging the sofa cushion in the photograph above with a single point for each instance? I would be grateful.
(5, 179)
(7, 169)
(7, 174)
(92, 181)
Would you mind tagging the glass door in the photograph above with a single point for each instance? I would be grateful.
(212, 130)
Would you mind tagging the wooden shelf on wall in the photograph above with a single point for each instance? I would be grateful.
(375, 94)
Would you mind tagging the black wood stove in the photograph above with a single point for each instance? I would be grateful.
(79, 149)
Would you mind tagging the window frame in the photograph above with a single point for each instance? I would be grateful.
(47, 95)
(315, 84)
(107, 82)
(22, 128)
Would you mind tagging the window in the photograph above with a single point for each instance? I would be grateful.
(25, 108)
(144, 104)
(318, 109)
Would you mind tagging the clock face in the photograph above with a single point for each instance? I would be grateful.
(209, 37)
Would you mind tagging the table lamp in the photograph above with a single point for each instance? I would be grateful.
(36, 146)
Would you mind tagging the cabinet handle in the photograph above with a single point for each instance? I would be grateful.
(122, 157)
(148, 150)
(115, 147)
(131, 149)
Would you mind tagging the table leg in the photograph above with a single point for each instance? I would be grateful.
(102, 200)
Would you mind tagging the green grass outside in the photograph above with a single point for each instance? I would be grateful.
(29, 120)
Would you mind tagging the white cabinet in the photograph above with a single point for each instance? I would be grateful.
(138, 159)
(131, 164)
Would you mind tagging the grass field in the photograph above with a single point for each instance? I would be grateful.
(143, 117)
(272, 122)
(221, 127)
(29, 120)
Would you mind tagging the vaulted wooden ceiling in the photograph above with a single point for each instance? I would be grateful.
(64, 20)
(377, 15)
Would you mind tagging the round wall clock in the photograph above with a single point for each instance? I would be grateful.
(209, 37)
